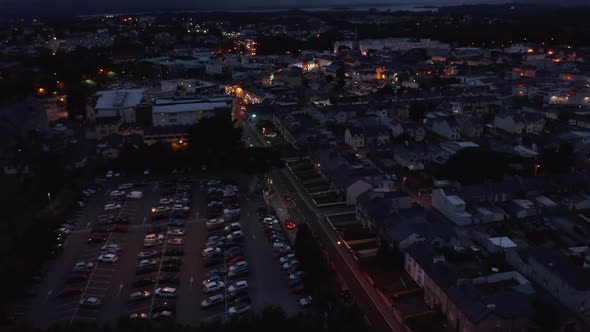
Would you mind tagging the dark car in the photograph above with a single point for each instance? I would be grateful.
(143, 282)
(174, 252)
(100, 230)
(96, 239)
(242, 293)
(213, 260)
(170, 279)
(172, 260)
(218, 270)
(170, 267)
(241, 298)
(232, 252)
(76, 277)
(176, 223)
(146, 269)
(158, 229)
(122, 220)
(70, 291)
(297, 288)
(166, 305)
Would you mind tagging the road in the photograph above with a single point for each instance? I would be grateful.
(378, 314)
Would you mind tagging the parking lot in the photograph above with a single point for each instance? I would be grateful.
(104, 289)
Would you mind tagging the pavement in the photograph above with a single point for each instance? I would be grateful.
(377, 312)
(112, 283)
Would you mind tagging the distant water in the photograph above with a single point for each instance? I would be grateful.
(375, 7)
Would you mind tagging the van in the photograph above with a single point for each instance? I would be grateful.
(135, 195)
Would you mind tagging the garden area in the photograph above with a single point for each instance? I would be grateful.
(315, 185)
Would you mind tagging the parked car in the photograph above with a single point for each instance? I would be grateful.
(175, 241)
(139, 295)
(169, 279)
(108, 258)
(286, 258)
(91, 302)
(145, 254)
(235, 236)
(83, 266)
(232, 228)
(214, 224)
(238, 309)
(212, 301)
(174, 252)
(70, 291)
(120, 229)
(164, 315)
(234, 260)
(139, 315)
(146, 269)
(112, 206)
(213, 287)
(135, 195)
(170, 267)
(218, 270)
(167, 292)
(176, 232)
(296, 275)
(237, 286)
(306, 301)
(210, 251)
(143, 282)
(76, 277)
(176, 223)
(111, 248)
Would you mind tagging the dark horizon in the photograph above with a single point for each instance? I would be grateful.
(27, 8)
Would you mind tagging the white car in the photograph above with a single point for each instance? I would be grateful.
(108, 258)
(153, 237)
(83, 266)
(210, 251)
(287, 258)
(117, 193)
(111, 248)
(290, 264)
(111, 207)
(165, 201)
(306, 301)
(65, 231)
(109, 174)
(147, 262)
(239, 309)
(213, 286)
(237, 286)
(180, 207)
(238, 265)
(90, 302)
(176, 232)
(146, 171)
(140, 295)
(160, 209)
(135, 195)
(214, 223)
(215, 238)
(175, 241)
(166, 292)
(125, 186)
(237, 235)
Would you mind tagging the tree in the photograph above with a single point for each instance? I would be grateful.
(417, 111)
(475, 165)
(214, 141)
(558, 161)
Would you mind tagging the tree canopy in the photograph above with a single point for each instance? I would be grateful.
(476, 165)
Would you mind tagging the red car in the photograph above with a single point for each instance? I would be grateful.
(290, 224)
(69, 291)
(298, 288)
(235, 260)
(120, 229)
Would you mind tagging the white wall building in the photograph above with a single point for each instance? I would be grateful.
(452, 207)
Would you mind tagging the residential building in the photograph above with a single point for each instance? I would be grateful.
(354, 137)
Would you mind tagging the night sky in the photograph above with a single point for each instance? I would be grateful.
(75, 7)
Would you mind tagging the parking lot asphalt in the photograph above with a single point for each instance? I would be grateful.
(112, 283)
